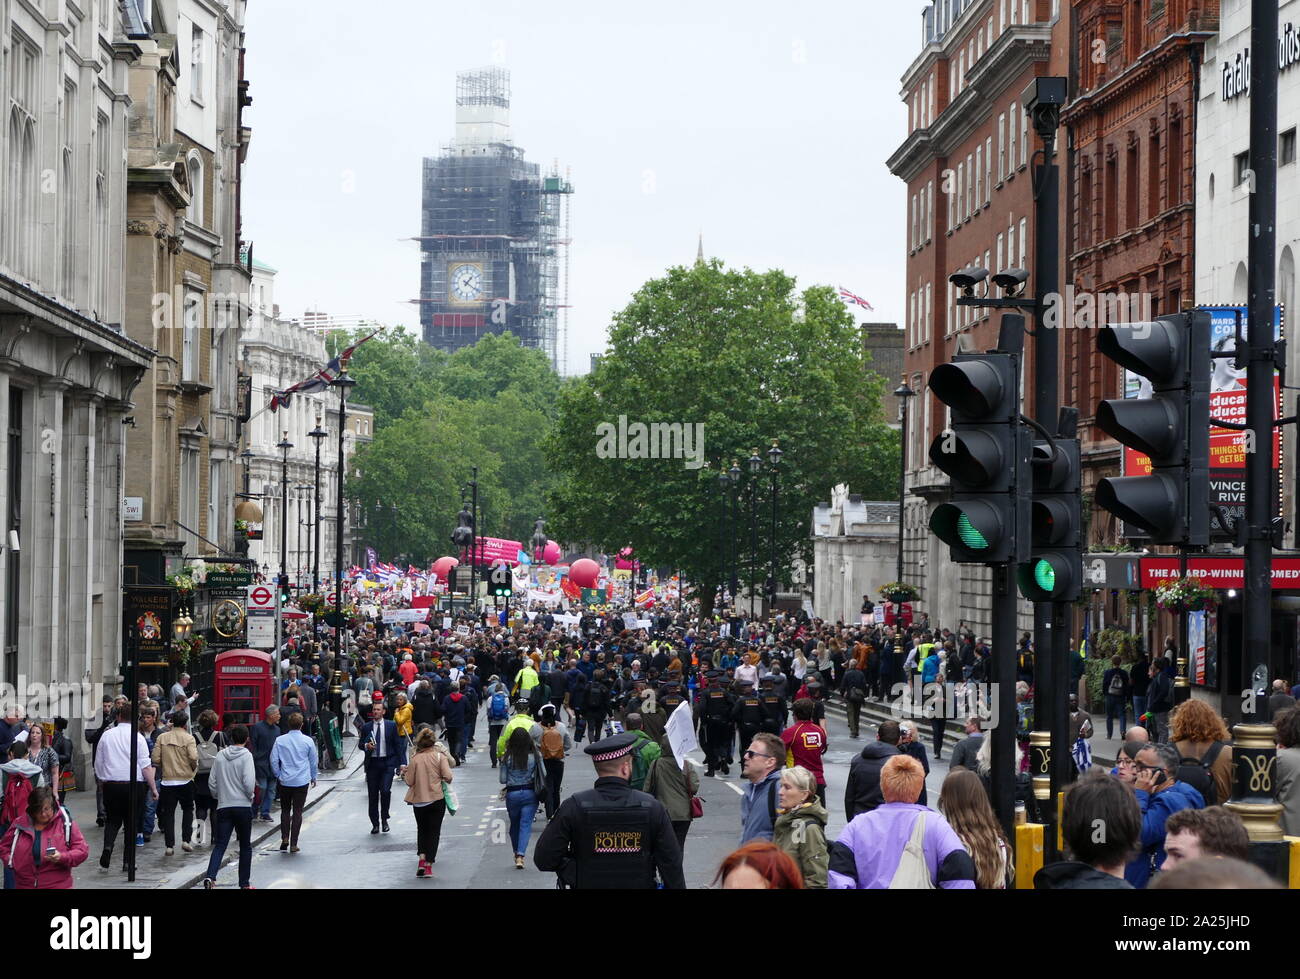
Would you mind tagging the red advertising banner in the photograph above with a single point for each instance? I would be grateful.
(492, 550)
(1216, 572)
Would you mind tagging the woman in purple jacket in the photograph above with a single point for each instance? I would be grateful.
(875, 850)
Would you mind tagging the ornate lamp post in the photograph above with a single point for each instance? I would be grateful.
(774, 457)
(344, 384)
(317, 435)
(903, 392)
(755, 466)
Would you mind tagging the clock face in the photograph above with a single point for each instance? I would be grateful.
(228, 618)
(466, 282)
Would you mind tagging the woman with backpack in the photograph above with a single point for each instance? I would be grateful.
(1202, 740)
(43, 845)
(209, 742)
(427, 774)
(554, 742)
(674, 787)
(498, 712)
(523, 774)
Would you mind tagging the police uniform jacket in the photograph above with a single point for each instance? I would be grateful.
(562, 840)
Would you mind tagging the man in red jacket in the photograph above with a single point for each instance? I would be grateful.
(807, 742)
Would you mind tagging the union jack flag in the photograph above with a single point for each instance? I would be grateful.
(321, 379)
(854, 298)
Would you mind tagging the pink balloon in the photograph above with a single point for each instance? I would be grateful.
(551, 554)
(442, 567)
(584, 573)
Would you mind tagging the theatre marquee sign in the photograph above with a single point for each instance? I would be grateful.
(1235, 76)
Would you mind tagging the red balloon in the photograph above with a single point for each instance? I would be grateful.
(551, 554)
(442, 567)
(584, 573)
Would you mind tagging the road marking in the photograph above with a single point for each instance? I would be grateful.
(733, 785)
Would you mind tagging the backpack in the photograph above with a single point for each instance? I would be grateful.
(364, 697)
(552, 744)
(1116, 688)
(497, 709)
(208, 751)
(595, 698)
(1196, 773)
(17, 789)
(644, 755)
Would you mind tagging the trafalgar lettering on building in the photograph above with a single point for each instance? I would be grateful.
(1236, 73)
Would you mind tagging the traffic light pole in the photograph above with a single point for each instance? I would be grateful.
(1003, 773)
(1256, 663)
(1051, 629)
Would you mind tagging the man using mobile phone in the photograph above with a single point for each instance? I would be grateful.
(385, 758)
(1159, 795)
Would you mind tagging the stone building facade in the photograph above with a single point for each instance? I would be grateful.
(69, 372)
(855, 551)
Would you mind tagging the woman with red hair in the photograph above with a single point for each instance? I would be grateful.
(759, 866)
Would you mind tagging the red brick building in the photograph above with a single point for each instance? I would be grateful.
(966, 164)
(1129, 181)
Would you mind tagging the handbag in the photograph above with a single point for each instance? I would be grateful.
(539, 774)
(449, 797)
(697, 807)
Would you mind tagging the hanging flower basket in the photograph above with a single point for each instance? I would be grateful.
(899, 592)
(183, 583)
(1185, 595)
(184, 650)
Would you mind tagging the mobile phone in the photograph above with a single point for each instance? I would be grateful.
(51, 851)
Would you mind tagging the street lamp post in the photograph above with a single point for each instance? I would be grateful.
(344, 384)
(304, 532)
(903, 393)
(723, 546)
(755, 465)
(774, 456)
(318, 436)
(284, 447)
(734, 472)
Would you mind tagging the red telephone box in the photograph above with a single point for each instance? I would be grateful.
(244, 685)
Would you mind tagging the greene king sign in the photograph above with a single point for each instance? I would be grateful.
(1235, 77)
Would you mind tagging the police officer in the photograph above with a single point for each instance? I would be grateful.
(611, 836)
(749, 713)
(716, 707)
(773, 705)
(670, 697)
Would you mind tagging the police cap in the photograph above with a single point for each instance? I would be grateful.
(611, 748)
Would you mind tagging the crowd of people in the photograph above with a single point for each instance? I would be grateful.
(417, 698)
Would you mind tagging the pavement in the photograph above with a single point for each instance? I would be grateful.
(153, 869)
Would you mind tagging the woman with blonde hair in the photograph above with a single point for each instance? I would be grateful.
(1200, 735)
(965, 805)
(428, 772)
(800, 828)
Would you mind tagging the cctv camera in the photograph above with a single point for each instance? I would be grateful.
(1011, 281)
(968, 278)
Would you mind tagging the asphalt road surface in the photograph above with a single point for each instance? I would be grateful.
(338, 849)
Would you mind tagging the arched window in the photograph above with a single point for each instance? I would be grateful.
(194, 166)
(27, 257)
(1240, 286)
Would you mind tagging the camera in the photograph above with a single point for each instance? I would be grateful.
(1011, 281)
(968, 278)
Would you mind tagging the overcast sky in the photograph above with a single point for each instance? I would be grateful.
(763, 124)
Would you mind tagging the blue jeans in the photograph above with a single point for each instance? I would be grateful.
(1139, 708)
(239, 821)
(522, 806)
(268, 786)
(1116, 708)
(149, 818)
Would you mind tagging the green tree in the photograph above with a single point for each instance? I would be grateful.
(746, 356)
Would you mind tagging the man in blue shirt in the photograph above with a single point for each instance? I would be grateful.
(293, 761)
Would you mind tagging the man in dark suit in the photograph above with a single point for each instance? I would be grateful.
(385, 757)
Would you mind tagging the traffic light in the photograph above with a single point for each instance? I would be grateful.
(1054, 571)
(1172, 428)
(285, 589)
(984, 453)
(500, 585)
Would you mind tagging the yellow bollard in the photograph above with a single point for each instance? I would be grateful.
(1029, 853)
(1293, 873)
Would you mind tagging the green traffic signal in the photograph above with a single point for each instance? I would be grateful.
(969, 535)
(1044, 576)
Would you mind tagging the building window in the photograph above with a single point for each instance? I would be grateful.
(99, 265)
(1110, 206)
(1286, 148)
(1153, 175)
(196, 64)
(1024, 243)
(194, 167)
(1240, 167)
(1011, 244)
(1134, 177)
(193, 323)
(1174, 169)
(998, 266)
(988, 170)
(961, 191)
(216, 500)
(1011, 137)
(1024, 139)
(979, 176)
(67, 196)
(13, 575)
(929, 210)
(1085, 209)
(926, 312)
(189, 496)
(1002, 147)
(19, 198)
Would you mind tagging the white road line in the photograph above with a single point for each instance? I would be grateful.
(733, 785)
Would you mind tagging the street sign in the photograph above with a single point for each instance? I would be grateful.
(133, 508)
(261, 597)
